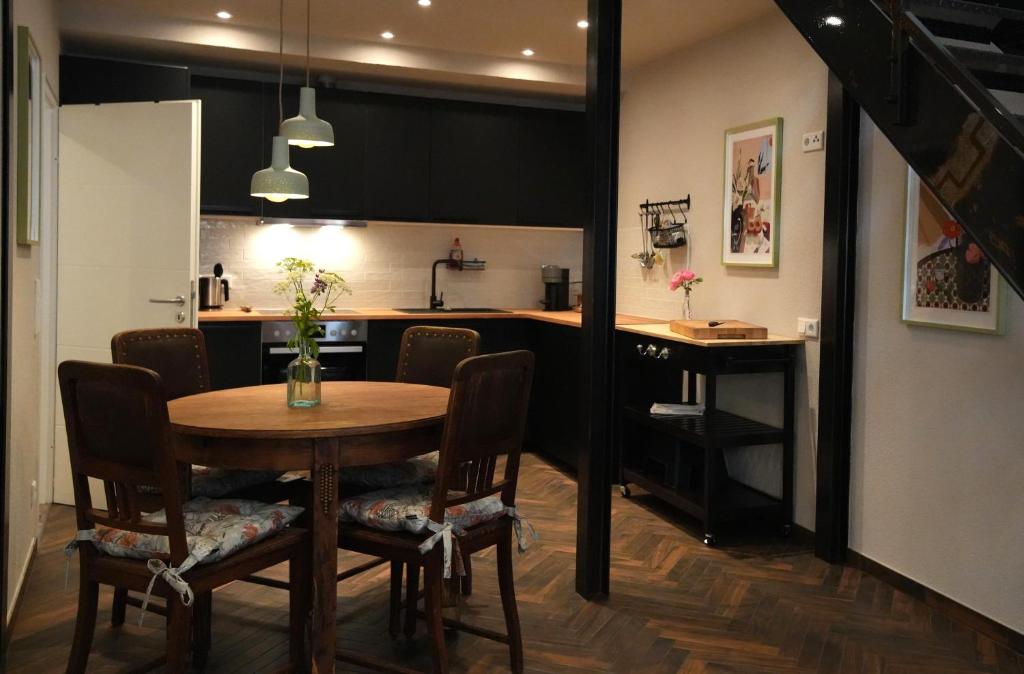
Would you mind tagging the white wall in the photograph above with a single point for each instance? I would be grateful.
(23, 439)
(388, 265)
(674, 116)
(937, 489)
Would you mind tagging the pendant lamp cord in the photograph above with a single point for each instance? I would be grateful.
(280, 72)
(307, 42)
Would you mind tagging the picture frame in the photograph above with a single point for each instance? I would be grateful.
(752, 194)
(947, 282)
(29, 106)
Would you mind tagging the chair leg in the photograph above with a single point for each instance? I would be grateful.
(85, 623)
(202, 626)
(508, 603)
(412, 593)
(118, 607)
(299, 609)
(432, 597)
(179, 619)
(395, 614)
(467, 580)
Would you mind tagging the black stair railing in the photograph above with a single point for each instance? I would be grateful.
(965, 144)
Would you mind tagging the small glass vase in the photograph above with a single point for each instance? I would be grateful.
(687, 311)
(304, 375)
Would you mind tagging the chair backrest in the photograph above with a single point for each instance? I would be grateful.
(487, 408)
(429, 355)
(118, 432)
(178, 355)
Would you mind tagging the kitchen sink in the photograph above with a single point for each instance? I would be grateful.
(461, 310)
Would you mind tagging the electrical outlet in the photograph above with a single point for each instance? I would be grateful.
(808, 327)
(814, 141)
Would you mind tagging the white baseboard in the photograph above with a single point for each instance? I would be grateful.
(20, 585)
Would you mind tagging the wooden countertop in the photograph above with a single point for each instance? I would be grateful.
(639, 325)
(662, 331)
(570, 318)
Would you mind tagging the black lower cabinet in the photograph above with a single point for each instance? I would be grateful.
(556, 427)
(234, 352)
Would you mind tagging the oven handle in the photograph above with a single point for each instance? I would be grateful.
(284, 350)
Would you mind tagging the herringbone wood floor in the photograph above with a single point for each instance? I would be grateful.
(676, 606)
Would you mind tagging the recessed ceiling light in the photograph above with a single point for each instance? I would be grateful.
(834, 21)
(528, 52)
(583, 23)
(222, 14)
(387, 35)
(424, 3)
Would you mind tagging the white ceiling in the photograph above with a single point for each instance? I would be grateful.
(475, 43)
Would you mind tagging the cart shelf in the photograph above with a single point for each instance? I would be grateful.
(713, 429)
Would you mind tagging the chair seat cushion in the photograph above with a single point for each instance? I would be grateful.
(214, 529)
(220, 482)
(417, 470)
(408, 508)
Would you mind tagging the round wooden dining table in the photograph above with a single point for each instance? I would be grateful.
(357, 423)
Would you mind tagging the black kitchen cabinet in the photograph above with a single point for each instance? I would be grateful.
(397, 162)
(552, 179)
(234, 352)
(97, 80)
(474, 166)
(384, 338)
(556, 411)
(336, 175)
(232, 144)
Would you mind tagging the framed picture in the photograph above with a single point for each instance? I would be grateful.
(947, 280)
(753, 181)
(29, 111)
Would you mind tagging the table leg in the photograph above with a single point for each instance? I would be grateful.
(324, 523)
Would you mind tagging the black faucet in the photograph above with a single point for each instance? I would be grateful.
(435, 301)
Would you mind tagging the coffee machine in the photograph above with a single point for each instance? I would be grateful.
(556, 288)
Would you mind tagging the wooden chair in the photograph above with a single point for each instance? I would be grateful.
(486, 419)
(118, 432)
(178, 355)
(427, 355)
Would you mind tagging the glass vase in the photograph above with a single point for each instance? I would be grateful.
(687, 311)
(304, 374)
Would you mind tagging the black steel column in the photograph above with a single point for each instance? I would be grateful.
(835, 398)
(593, 528)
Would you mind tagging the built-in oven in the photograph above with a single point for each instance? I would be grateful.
(342, 350)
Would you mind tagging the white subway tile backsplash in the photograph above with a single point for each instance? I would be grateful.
(388, 265)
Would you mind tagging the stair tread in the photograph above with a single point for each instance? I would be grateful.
(944, 9)
(989, 61)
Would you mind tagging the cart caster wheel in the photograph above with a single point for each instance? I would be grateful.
(624, 490)
(787, 529)
(710, 540)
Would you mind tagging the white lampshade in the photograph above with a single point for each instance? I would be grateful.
(280, 182)
(306, 129)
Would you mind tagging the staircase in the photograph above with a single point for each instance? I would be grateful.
(939, 78)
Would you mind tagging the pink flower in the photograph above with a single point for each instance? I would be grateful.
(683, 277)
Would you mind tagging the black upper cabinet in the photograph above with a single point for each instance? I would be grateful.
(474, 163)
(397, 158)
(97, 80)
(232, 143)
(336, 175)
(552, 182)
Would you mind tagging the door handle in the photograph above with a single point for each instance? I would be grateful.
(179, 300)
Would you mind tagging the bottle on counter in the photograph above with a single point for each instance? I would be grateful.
(455, 253)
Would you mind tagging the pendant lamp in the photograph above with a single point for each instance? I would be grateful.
(280, 182)
(306, 129)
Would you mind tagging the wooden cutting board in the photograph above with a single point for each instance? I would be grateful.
(725, 330)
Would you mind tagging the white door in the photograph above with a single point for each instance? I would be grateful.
(128, 232)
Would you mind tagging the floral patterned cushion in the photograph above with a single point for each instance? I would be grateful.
(214, 529)
(220, 482)
(408, 508)
(417, 470)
